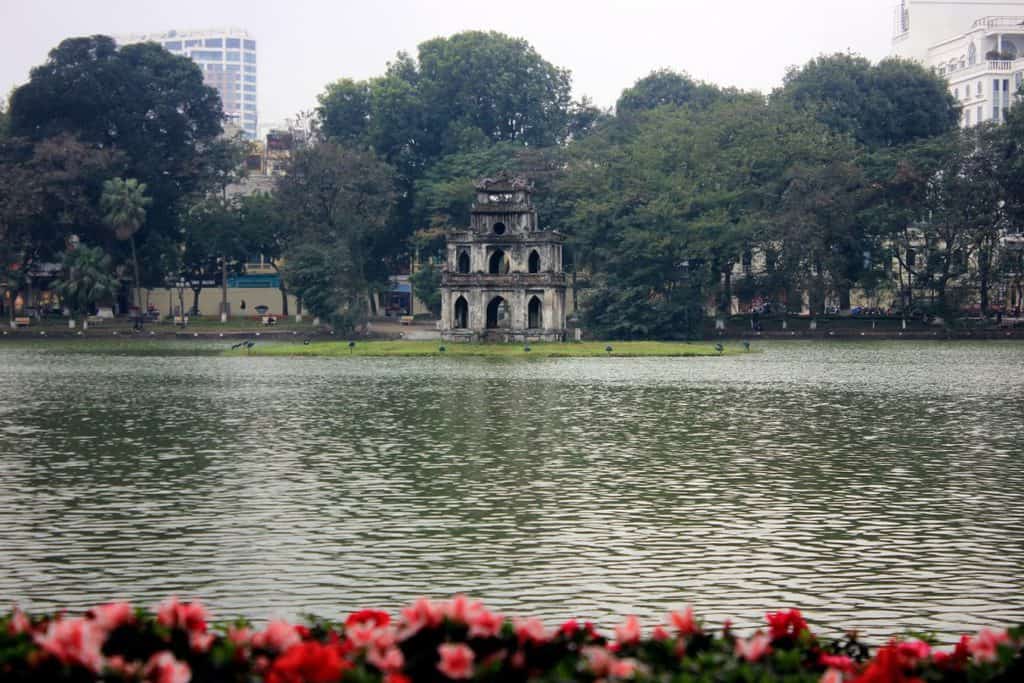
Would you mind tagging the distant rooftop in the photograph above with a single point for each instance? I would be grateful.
(176, 33)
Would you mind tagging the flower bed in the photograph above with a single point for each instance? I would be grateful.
(460, 639)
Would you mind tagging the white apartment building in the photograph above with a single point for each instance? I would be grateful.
(227, 57)
(976, 45)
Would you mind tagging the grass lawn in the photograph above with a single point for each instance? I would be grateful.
(541, 350)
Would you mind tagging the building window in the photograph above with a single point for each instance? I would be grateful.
(978, 94)
(232, 56)
(979, 114)
(956, 93)
(995, 112)
(249, 98)
(967, 117)
(235, 43)
(213, 42)
(250, 57)
(215, 67)
(172, 45)
(250, 45)
(249, 78)
(972, 54)
(193, 43)
(233, 68)
(208, 55)
(250, 68)
(250, 88)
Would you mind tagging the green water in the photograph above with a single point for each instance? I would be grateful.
(875, 485)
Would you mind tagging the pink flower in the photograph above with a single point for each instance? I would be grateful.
(628, 632)
(190, 616)
(162, 667)
(752, 650)
(125, 669)
(660, 634)
(361, 635)
(200, 642)
(530, 630)
(387, 660)
(841, 662)
(277, 637)
(984, 647)
(460, 608)
(75, 642)
(421, 614)
(456, 660)
(113, 615)
(239, 637)
(787, 623)
(832, 676)
(598, 659)
(19, 623)
(622, 668)
(684, 622)
(484, 624)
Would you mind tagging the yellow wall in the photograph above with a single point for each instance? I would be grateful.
(166, 300)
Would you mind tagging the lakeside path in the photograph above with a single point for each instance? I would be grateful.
(542, 350)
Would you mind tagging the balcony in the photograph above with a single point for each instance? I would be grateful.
(1000, 24)
(507, 280)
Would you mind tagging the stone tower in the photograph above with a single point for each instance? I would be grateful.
(503, 279)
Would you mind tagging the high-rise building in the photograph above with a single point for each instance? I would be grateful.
(227, 57)
(976, 45)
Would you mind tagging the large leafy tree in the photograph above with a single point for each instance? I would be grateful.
(337, 201)
(140, 100)
(665, 87)
(86, 281)
(214, 244)
(124, 203)
(887, 104)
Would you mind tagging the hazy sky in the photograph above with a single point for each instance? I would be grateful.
(607, 44)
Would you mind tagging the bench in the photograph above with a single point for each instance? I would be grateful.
(405, 320)
(22, 322)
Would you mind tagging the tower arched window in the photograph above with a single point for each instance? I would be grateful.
(498, 314)
(461, 318)
(498, 263)
(534, 262)
(535, 314)
(463, 262)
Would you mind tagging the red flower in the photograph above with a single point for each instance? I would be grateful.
(372, 616)
(456, 660)
(787, 623)
(19, 623)
(308, 662)
(75, 642)
(421, 614)
(164, 668)
(660, 634)
(886, 667)
(913, 650)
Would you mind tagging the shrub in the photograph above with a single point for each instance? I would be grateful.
(460, 639)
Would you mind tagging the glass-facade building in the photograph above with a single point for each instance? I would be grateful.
(228, 60)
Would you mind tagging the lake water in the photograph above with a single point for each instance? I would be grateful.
(875, 485)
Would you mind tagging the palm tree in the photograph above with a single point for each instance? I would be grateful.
(124, 203)
(87, 280)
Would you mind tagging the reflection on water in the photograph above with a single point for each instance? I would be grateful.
(875, 485)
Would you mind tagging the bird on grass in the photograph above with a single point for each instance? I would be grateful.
(248, 344)
(719, 348)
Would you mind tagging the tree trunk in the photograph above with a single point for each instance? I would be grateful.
(138, 282)
(195, 300)
(844, 297)
(224, 289)
(284, 300)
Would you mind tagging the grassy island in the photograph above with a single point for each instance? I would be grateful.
(538, 350)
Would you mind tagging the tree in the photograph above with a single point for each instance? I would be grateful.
(891, 103)
(87, 280)
(426, 285)
(665, 87)
(266, 232)
(214, 244)
(337, 201)
(141, 100)
(124, 203)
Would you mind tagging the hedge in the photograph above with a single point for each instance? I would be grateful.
(459, 639)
